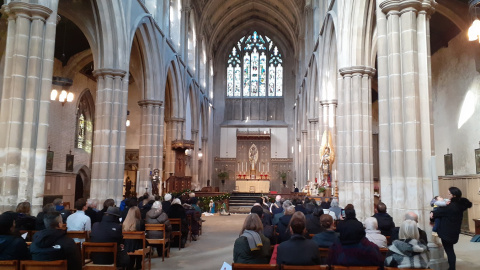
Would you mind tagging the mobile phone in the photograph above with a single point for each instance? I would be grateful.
(343, 213)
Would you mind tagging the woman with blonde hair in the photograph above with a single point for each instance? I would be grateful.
(408, 251)
(252, 246)
(133, 222)
(24, 220)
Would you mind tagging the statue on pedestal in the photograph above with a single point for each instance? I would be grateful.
(328, 157)
(253, 156)
(155, 182)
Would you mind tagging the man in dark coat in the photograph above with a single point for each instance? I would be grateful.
(298, 250)
(109, 230)
(107, 203)
(12, 247)
(53, 243)
(384, 220)
(351, 230)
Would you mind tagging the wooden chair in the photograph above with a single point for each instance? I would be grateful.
(198, 216)
(9, 265)
(145, 251)
(79, 235)
(389, 240)
(304, 267)
(244, 266)
(323, 254)
(89, 247)
(340, 267)
(165, 241)
(175, 222)
(42, 265)
(66, 205)
(384, 252)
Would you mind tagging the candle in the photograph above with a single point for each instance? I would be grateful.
(242, 166)
(268, 166)
(263, 167)
(238, 166)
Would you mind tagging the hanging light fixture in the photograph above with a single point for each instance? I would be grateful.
(64, 96)
(474, 30)
(200, 154)
(128, 121)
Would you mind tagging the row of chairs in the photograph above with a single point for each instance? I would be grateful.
(241, 266)
(33, 265)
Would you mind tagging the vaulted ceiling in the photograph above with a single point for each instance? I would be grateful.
(222, 20)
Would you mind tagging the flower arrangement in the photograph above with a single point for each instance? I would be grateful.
(282, 174)
(222, 175)
(321, 189)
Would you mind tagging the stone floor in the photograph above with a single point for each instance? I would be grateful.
(215, 246)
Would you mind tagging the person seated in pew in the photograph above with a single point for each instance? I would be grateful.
(313, 221)
(385, 221)
(283, 224)
(327, 237)
(409, 216)
(373, 234)
(53, 243)
(39, 224)
(24, 220)
(277, 216)
(267, 229)
(109, 230)
(354, 249)
(252, 246)
(298, 250)
(12, 247)
(157, 216)
(133, 223)
(408, 251)
(178, 211)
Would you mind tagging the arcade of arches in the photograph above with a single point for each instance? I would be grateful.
(218, 93)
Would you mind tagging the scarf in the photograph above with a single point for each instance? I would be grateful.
(253, 238)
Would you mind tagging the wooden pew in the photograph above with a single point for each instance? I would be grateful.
(177, 222)
(165, 241)
(9, 265)
(304, 267)
(89, 247)
(340, 267)
(244, 266)
(145, 251)
(42, 265)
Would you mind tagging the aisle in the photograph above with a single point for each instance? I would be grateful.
(213, 247)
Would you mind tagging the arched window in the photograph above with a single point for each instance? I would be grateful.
(255, 68)
(84, 125)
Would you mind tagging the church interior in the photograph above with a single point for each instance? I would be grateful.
(363, 100)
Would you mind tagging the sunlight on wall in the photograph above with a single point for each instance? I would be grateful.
(468, 108)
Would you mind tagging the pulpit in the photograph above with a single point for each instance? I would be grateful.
(178, 182)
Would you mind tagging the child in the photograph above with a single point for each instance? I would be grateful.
(437, 201)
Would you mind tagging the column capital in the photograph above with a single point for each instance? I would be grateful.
(146, 102)
(175, 119)
(109, 72)
(204, 139)
(313, 120)
(357, 71)
(427, 6)
(194, 131)
(329, 102)
(27, 10)
(304, 131)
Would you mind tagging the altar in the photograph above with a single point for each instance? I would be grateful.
(253, 185)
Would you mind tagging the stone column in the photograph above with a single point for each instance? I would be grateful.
(151, 143)
(194, 158)
(173, 132)
(304, 174)
(108, 157)
(203, 169)
(313, 149)
(405, 117)
(355, 140)
(25, 100)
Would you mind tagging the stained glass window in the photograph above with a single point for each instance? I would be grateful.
(254, 68)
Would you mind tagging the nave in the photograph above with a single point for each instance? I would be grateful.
(215, 246)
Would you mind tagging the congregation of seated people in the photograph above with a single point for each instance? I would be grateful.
(308, 232)
(50, 240)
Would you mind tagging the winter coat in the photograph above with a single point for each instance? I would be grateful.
(54, 244)
(177, 211)
(243, 254)
(377, 238)
(451, 219)
(25, 222)
(13, 248)
(109, 230)
(298, 251)
(158, 217)
(313, 224)
(363, 253)
(409, 253)
(385, 223)
(282, 228)
(326, 238)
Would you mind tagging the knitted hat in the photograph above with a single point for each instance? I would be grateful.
(6, 223)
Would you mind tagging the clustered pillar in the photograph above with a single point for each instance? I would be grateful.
(355, 160)
(405, 120)
(25, 103)
(151, 143)
(108, 159)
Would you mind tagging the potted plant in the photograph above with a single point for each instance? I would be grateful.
(283, 175)
(222, 175)
(321, 191)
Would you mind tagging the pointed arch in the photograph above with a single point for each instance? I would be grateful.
(174, 105)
